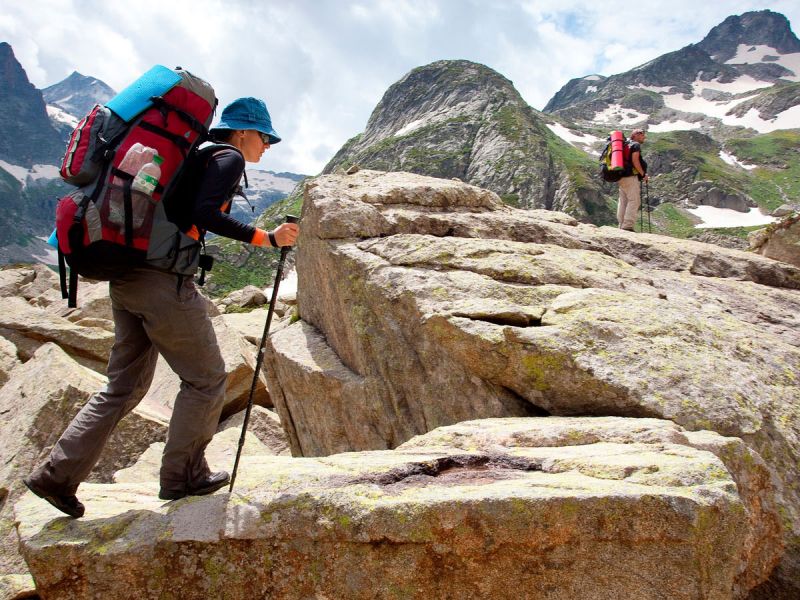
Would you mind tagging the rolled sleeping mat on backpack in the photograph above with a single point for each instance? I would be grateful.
(136, 98)
(617, 151)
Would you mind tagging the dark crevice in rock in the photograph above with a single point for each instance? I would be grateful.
(630, 412)
(452, 470)
(513, 319)
(533, 410)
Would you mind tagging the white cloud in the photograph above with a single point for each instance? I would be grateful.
(323, 65)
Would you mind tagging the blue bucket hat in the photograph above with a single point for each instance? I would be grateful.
(248, 113)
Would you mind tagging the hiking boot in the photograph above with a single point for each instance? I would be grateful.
(207, 485)
(66, 503)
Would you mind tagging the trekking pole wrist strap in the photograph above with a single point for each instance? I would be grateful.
(272, 241)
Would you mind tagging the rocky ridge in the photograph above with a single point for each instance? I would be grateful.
(458, 119)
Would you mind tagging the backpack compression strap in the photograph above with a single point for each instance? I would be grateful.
(165, 106)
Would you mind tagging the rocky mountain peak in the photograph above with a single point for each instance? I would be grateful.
(26, 136)
(760, 28)
(443, 89)
(575, 90)
(459, 119)
(77, 94)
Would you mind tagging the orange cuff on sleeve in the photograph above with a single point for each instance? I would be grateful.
(260, 238)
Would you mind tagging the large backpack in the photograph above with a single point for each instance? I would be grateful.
(126, 157)
(611, 170)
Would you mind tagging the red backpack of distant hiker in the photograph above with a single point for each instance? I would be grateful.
(615, 161)
(126, 157)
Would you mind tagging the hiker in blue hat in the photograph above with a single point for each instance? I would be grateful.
(245, 124)
(161, 312)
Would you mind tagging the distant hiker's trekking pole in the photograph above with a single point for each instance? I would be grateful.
(641, 206)
(647, 205)
(260, 358)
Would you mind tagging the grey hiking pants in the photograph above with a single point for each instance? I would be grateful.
(151, 316)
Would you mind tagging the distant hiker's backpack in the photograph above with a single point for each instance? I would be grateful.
(615, 161)
(127, 157)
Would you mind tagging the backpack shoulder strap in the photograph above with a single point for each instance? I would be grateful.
(206, 152)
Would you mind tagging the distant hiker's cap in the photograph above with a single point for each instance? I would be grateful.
(248, 113)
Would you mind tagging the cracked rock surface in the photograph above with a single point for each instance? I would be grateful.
(426, 302)
(580, 508)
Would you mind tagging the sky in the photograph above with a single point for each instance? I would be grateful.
(323, 65)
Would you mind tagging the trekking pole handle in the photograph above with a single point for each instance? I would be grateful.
(285, 249)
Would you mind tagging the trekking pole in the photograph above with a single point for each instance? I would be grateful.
(641, 208)
(260, 357)
(647, 204)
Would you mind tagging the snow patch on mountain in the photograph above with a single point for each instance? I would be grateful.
(616, 113)
(61, 116)
(749, 55)
(788, 119)
(267, 181)
(678, 125)
(22, 174)
(592, 78)
(740, 85)
(733, 161)
(651, 88)
(726, 217)
(575, 138)
(699, 104)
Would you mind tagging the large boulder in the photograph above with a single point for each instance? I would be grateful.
(425, 302)
(34, 279)
(239, 356)
(8, 359)
(249, 296)
(780, 241)
(265, 425)
(628, 510)
(17, 586)
(93, 302)
(37, 403)
(28, 327)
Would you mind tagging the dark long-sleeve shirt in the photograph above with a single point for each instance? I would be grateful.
(209, 212)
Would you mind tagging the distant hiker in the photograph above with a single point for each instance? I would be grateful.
(630, 194)
(159, 312)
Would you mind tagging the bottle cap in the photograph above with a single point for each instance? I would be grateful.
(158, 159)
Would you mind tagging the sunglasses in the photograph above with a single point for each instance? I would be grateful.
(264, 138)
